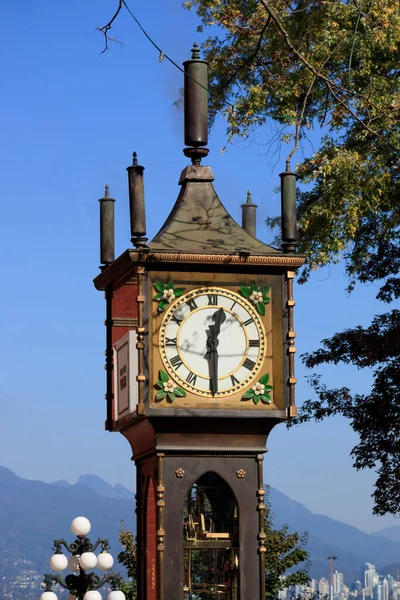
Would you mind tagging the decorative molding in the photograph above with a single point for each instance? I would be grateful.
(241, 474)
(261, 533)
(125, 322)
(272, 260)
(160, 525)
(291, 348)
(179, 473)
(140, 378)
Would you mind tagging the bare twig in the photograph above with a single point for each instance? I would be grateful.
(106, 28)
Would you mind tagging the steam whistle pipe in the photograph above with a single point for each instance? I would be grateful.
(196, 106)
(136, 203)
(249, 210)
(107, 245)
(288, 211)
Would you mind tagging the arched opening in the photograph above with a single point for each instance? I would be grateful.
(211, 540)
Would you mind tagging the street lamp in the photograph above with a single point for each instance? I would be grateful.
(331, 559)
(83, 585)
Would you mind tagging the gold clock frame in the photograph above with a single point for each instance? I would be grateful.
(246, 305)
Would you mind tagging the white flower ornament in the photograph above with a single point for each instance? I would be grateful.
(168, 295)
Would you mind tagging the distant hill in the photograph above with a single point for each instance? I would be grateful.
(101, 487)
(327, 536)
(390, 533)
(33, 514)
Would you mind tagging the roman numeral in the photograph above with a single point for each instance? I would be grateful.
(170, 341)
(233, 305)
(176, 319)
(234, 380)
(176, 362)
(254, 343)
(212, 299)
(248, 322)
(191, 378)
(249, 364)
(191, 304)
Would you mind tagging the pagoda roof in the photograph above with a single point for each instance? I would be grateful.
(199, 222)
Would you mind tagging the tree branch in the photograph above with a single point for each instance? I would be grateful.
(106, 28)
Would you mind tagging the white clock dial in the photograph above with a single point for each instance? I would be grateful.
(212, 341)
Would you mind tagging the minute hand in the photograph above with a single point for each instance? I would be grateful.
(212, 352)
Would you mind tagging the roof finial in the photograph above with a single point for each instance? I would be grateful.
(249, 201)
(106, 191)
(195, 51)
(134, 161)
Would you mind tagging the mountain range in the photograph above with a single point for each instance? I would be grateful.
(33, 514)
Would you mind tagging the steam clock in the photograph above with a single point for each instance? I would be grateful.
(200, 368)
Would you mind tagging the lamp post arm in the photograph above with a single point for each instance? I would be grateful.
(74, 547)
(49, 579)
(114, 579)
(104, 545)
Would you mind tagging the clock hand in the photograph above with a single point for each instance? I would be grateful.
(212, 344)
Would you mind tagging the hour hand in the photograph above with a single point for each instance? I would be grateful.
(212, 345)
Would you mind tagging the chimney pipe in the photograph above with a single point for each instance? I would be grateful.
(249, 216)
(107, 249)
(288, 211)
(136, 203)
(196, 106)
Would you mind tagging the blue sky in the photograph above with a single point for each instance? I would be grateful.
(70, 121)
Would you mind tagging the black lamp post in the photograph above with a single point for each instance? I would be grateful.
(82, 585)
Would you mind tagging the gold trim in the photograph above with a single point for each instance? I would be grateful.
(140, 340)
(261, 537)
(125, 322)
(230, 294)
(160, 526)
(292, 410)
(294, 261)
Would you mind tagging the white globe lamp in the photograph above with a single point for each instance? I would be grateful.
(104, 561)
(58, 562)
(87, 561)
(73, 563)
(116, 595)
(80, 526)
(92, 595)
(48, 596)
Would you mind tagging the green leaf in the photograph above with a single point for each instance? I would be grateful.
(256, 399)
(268, 388)
(179, 392)
(159, 385)
(163, 376)
(265, 289)
(158, 297)
(266, 399)
(170, 285)
(159, 286)
(264, 379)
(266, 300)
(171, 396)
(178, 292)
(248, 394)
(160, 395)
(254, 287)
(163, 305)
(261, 308)
(246, 291)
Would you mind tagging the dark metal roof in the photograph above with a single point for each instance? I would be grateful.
(199, 222)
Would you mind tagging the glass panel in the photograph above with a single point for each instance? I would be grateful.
(211, 541)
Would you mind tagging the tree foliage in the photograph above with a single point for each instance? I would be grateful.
(332, 65)
(128, 558)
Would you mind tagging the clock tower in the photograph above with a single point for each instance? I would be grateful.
(200, 368)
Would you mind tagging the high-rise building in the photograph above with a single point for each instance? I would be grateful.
(370, 579)
(338, 582)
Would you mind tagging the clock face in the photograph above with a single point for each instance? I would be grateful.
(212, 342)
